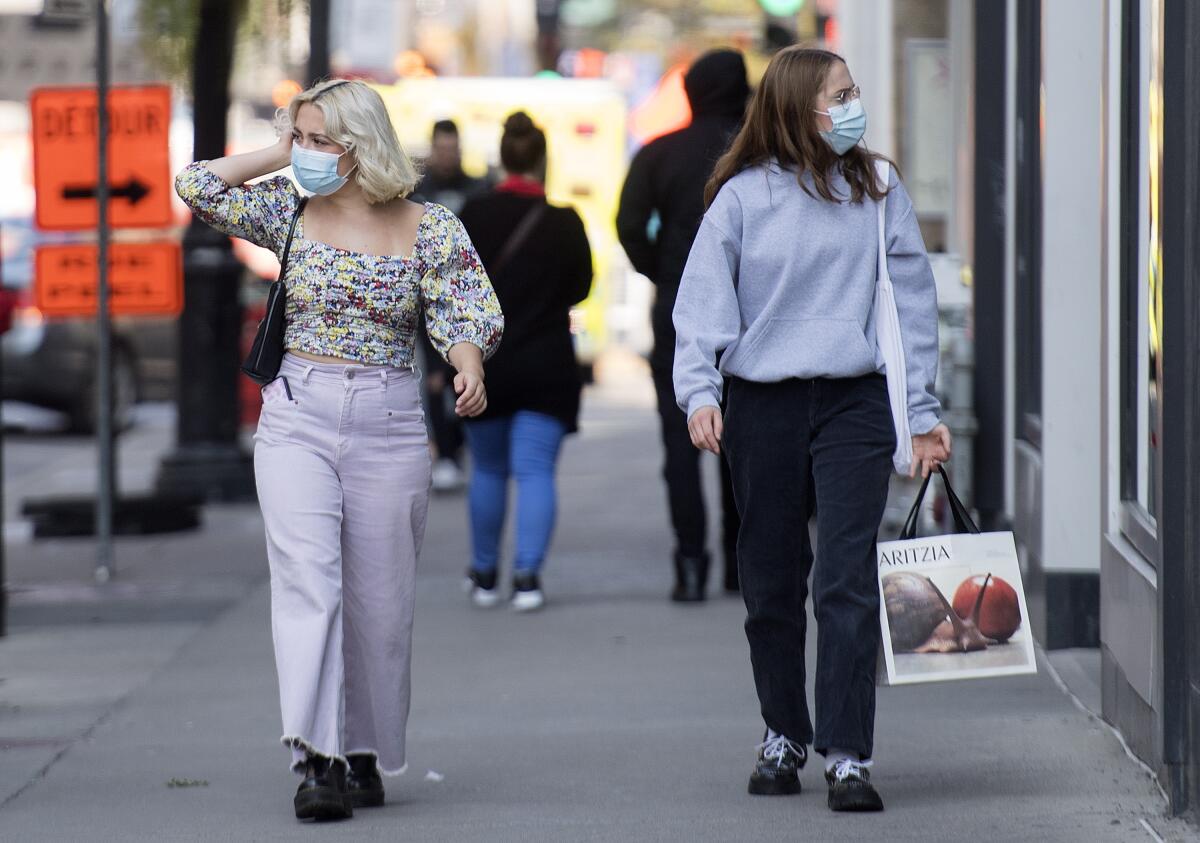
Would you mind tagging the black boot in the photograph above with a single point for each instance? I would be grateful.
(364, 782)
(323, 795)
(691, 578)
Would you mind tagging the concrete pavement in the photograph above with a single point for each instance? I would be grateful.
(612, 715)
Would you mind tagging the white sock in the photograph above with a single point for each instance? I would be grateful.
(834, 755)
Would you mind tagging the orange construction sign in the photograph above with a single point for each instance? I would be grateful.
(65, 157)
(143, 278)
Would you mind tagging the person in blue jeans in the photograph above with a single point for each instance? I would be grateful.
(540, 264)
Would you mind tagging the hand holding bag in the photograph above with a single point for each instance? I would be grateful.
(266, 354)
(887, 337)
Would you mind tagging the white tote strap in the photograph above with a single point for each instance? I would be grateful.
(889, 340)
(883, 170)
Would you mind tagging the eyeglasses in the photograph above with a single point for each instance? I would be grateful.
(847, 95)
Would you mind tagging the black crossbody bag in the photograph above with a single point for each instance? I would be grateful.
(262, 363)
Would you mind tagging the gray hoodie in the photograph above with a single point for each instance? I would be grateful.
(781, 284)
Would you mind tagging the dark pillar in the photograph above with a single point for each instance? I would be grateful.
(208, 460)
(549, 41)
(988, 270)
(1179, 511)
(318, 40)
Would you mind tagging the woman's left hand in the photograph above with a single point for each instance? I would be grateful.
(468, 383)
(930, 450)
(472, 397)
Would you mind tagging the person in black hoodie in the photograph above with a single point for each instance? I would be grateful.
(445, 183)
(666, 183)
(540, 264)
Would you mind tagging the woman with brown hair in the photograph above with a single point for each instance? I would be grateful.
(779, 288)
(539, 260)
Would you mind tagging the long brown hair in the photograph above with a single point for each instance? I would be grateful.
(781, 124)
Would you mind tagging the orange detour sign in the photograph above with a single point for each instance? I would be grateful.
(143, 278)
(64, 157)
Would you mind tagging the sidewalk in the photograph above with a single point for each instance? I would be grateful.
(613, 715)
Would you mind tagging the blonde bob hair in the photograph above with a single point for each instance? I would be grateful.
(356, 118)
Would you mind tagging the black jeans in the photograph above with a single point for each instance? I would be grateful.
(795, 447)
(681, 470)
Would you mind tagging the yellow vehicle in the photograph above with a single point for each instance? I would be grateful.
(584, 121)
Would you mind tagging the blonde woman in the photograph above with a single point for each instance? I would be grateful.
(341, 458)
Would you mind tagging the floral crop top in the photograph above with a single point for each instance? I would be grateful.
(350, 304)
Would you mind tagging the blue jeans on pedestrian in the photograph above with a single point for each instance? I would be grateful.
(524, 445)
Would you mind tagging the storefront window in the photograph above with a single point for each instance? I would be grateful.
(1141, 274)
(1151, 317)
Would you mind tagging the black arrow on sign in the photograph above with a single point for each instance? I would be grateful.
(133, 190)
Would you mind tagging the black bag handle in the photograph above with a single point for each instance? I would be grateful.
(963, 522)
(287, 244)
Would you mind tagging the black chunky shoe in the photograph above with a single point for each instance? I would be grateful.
(364, 782)
(850, 788)
(777, 772)
(691, 578)
(323, 795)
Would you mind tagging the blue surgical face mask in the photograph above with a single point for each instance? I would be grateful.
(317, 171)
(849, 125)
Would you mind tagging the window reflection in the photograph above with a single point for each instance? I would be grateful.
(1150, 375)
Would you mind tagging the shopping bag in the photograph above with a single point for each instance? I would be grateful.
(952, 606)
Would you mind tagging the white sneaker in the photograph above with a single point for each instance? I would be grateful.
(528, 601)
(482, 588)
(527, 593)
(447, 476)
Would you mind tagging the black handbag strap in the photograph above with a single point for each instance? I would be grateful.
(518, 237)
(287, 244)
(963, 523)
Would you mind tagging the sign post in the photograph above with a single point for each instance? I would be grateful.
(101, 161)
(104, 426)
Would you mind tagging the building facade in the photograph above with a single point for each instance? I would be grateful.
(1087, 276)
(1072, 209)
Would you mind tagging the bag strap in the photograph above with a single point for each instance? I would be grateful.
(518, 237)
(287, 245)
(963, 523)
(884, 171)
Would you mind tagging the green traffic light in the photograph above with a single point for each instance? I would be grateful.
(781, 8)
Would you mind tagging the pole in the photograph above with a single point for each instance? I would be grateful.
(318, 38)
(208, 461)
(104, 420)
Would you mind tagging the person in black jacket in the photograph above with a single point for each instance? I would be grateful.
(665, 189)
(539, 261)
